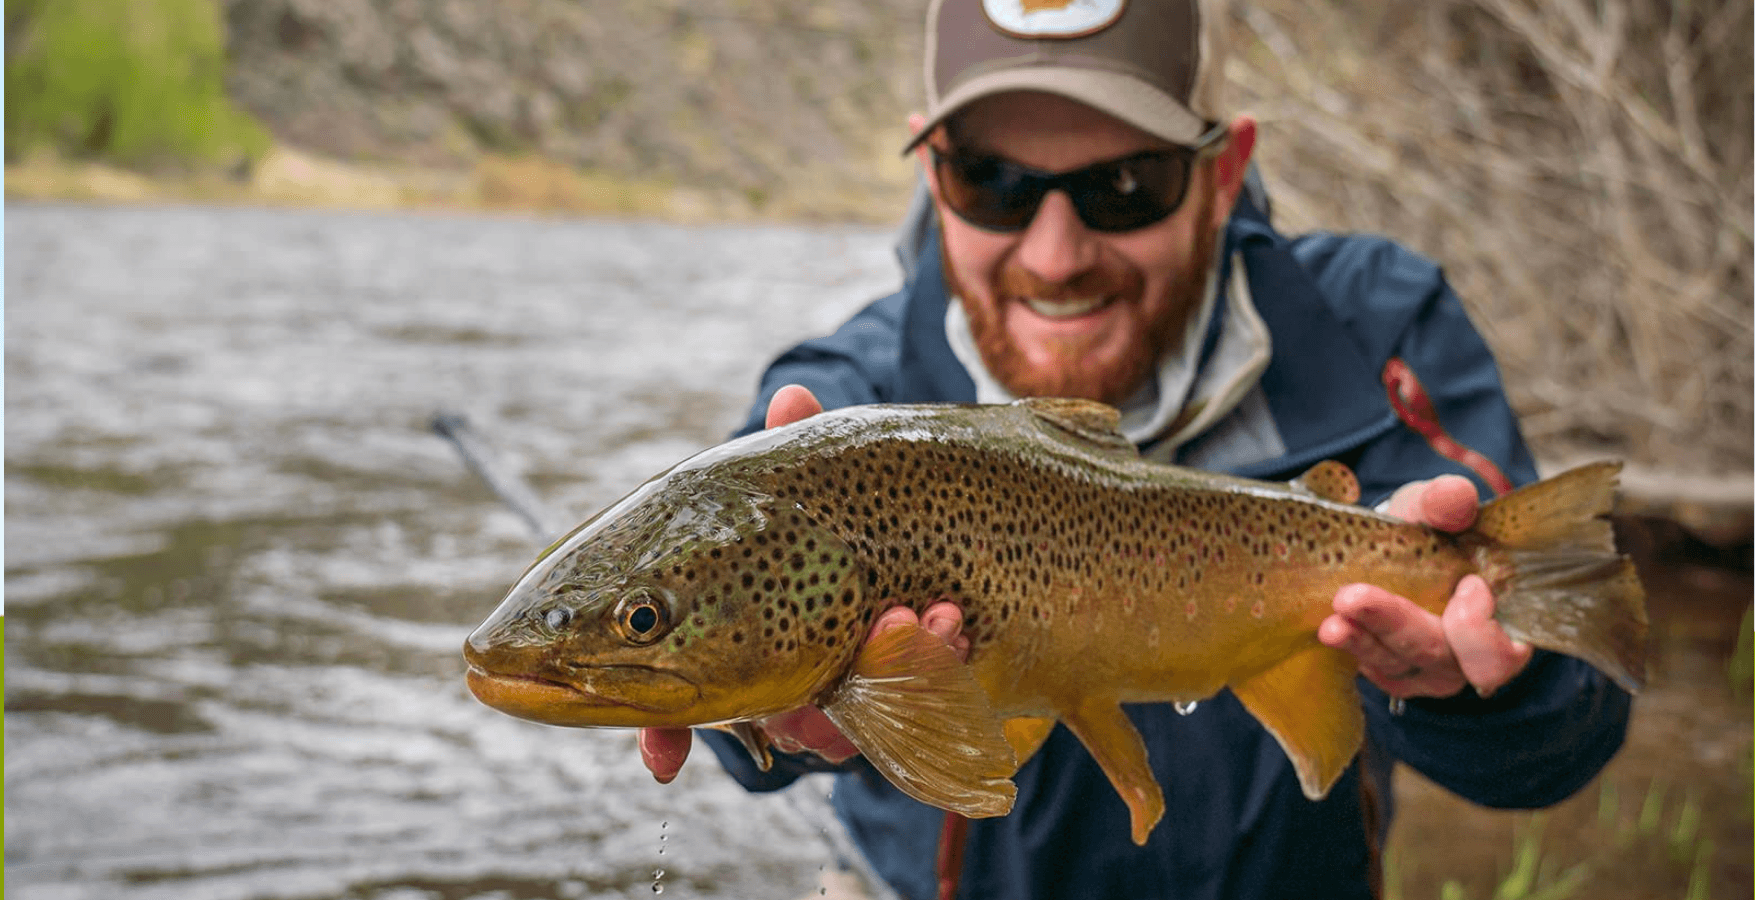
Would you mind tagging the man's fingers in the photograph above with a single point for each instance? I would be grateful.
(808, 728)
(945, 619)
(1400, 647)
(1447, 503)
(791, 403)
(1487, 655)
(663, 750)
(1405, 630)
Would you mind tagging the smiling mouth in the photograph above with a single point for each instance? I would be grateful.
(1067, 308)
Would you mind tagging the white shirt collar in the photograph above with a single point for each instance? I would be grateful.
(1183, 398)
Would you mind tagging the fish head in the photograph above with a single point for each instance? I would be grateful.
(694, 601)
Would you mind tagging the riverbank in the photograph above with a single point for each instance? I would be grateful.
(291, 177)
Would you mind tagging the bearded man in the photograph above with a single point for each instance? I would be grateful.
(1090, 236)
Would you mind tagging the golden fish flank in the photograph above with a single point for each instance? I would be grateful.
(741, 583)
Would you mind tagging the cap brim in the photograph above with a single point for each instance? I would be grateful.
(1122, 96)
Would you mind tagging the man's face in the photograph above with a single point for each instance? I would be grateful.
(1059, 309)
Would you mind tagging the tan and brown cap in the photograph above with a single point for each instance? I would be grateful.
(1155, 64)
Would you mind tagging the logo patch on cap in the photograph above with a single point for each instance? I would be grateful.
(1052, 18)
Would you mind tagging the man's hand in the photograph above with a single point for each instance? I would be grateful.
(807, 728)
(1408, 651)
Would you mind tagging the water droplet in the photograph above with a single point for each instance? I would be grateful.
(1187, 707)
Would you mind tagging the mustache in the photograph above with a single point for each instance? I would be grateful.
(1097, 281)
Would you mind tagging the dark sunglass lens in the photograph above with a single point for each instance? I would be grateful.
(1131, 193)
(989, 192)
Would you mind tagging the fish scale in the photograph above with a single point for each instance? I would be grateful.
(743, 582)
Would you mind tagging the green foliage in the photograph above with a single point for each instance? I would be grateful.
(138, 82)
(1741, 666)
(1654, 830)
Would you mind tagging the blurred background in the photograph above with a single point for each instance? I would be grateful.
(253, 246)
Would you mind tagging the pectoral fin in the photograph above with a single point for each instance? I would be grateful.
(1310, 704)
(755, 742)
(1109, 734)
(918, 715)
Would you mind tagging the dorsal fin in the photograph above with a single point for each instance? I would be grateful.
(1097, 423)
(1330, 480)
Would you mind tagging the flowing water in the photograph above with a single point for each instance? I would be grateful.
(240, 565)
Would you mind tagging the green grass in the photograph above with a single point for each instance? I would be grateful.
(1659, 829)
(135, 82)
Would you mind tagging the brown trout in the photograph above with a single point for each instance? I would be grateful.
(742, 582)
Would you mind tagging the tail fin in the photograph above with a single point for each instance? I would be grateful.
(1558, 582)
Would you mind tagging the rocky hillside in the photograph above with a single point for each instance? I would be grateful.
(783, 103)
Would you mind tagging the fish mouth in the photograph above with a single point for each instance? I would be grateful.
(636, 696)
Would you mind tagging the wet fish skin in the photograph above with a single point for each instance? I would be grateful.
(741, 582)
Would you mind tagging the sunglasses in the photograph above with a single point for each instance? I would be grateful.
(996, 194)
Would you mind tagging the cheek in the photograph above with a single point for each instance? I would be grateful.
(973, 256)
(1163, 255)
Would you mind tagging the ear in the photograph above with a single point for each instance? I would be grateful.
(1229, 167)
(916, 121)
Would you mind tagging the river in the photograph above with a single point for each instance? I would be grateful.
(240, 565)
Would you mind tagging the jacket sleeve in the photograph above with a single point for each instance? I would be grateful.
(1547, 733)
(854, 365)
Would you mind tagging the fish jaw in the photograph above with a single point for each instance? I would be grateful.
(617, 696)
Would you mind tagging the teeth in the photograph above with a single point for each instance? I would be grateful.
(1064, 309)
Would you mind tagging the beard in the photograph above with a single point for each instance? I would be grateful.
(1069, 370)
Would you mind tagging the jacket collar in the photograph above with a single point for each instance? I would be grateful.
(1322, 390)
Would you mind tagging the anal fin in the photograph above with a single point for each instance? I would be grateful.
(1310, 704)
(916, 712)
(1109, 735)
(1026, 735)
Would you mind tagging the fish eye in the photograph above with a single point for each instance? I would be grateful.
(558, 618)
(643, 620)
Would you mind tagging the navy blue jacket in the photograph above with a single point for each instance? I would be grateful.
(1237, 824)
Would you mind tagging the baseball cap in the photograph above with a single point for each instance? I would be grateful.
(1155, 64)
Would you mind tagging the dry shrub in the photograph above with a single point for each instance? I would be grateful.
(538, 183)
(1581, 167)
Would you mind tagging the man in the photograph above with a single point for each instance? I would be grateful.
(1092, 241)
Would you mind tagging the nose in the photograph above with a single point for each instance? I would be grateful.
(1057, 245)
(477, 646)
